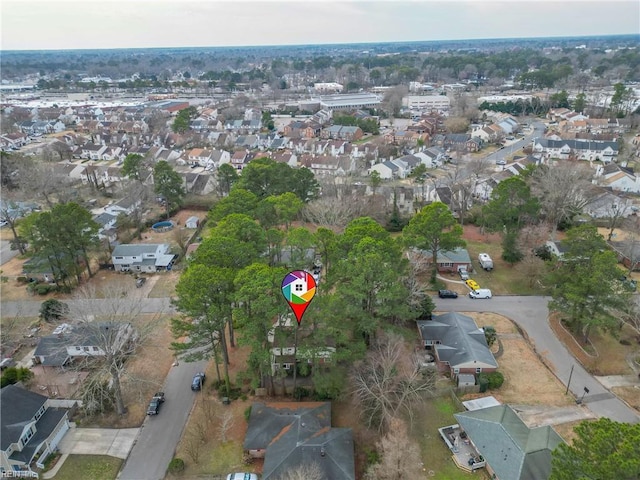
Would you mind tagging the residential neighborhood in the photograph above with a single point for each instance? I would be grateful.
(469, 216)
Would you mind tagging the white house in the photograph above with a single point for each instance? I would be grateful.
(387, 170)
(617, 178)
(590, 150)
(73, 342)
(149, 257)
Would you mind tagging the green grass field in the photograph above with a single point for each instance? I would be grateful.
(95, 467)
(436, 456)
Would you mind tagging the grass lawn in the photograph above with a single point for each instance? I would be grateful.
(95, 467)
(432, 415)
(504, 278)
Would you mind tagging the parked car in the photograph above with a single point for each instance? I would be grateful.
(501, 162)
(198, 381)
(462, 271)
(472, 284)
(447, 294)
(140, 281)
(480, 293)
(242, 476)
(154, 404)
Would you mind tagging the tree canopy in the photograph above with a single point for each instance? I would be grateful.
(585, 282)
(603, 450)
(169, 184)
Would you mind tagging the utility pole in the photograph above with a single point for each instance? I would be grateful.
(569, 382)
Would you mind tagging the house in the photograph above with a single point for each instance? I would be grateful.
(616, 177)
(576, 149)
(144, 257)
(284, 351)
(31, 428)
(288, 435)
(387, 170)
(457, 344)
(450, 260)
(512, 450)
(557, 249)
(628, 252)
(343, 132)
(77, 342)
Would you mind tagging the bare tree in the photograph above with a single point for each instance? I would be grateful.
(113, 319)
(225, 424)
(389, 381)
(615, 213)
(192, 446)
(335, 211)
(463, 181)
(310, 471)
(400, 456)
(563, 190)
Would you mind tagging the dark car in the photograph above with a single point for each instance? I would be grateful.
(140, 282)
(198, 380)
(154, 404)
(447, 294)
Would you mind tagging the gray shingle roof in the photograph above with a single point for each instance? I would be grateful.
(299, 434)
(513, 450)
(17, 407)
(461, 339)
(128, 250)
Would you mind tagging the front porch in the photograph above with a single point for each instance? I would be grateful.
(465, 456)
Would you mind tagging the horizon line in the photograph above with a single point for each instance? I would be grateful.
(561, 37)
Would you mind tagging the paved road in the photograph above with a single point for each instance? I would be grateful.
(507, 151)
(6, 253)
(156, 444)
(30, 308)
(531, 314)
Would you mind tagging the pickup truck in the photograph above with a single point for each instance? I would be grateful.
(154, 404)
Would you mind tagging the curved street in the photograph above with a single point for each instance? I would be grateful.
(159, 436)
(531, 314)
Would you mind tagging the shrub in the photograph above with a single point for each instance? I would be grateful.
(176, 465)
(43, 289)
(22, 279)
(247, 414)
(300, 392)
(13, 375)
(495, 379)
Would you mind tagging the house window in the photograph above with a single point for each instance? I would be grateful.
(27, 436)
(95, 349)
(446, 264)
(119, 258)
(39, 413)
(287, 366)
(456, 370)
(86, 349)
(478, 370)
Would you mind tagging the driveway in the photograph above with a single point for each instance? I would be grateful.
(531, 314)
(159, 436)
(99, 441)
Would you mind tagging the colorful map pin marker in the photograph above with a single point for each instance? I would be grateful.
(298, 288)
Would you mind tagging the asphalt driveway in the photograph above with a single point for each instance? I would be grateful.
(99, 441)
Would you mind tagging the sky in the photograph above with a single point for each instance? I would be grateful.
(73, 24)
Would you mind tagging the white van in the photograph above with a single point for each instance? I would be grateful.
(480, 293)
(242, 476)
